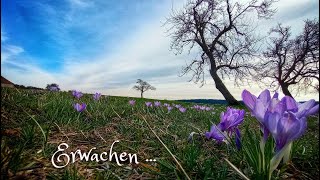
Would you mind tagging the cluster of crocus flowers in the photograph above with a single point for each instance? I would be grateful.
(201, 108)
(96, 96)
(168, 106)
(285, 120)
(77, 94)
(78, 106)
(228, 125)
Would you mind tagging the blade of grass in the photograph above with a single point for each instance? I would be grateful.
(184, 172)
(42, 131)
(236, 169)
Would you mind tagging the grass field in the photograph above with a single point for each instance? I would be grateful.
(34, 123)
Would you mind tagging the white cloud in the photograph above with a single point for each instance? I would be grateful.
(144, 54)
(9, 51)
(3, 36)
(80, 3)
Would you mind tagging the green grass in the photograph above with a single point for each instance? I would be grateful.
(34, 123)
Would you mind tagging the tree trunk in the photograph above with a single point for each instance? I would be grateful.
(223, 89)
(285, 89)
(141, 94)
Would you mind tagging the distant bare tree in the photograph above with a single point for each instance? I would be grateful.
(223, 34)
(143, 87)
(292, 61)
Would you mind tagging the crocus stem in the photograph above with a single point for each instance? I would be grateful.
(262, 145)
(276, 159)
(287, 153)
(78, 116)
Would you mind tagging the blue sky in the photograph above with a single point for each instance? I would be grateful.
(105, 46)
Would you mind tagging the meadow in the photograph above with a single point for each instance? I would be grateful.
(34, 123)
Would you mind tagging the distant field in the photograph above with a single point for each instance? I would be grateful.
(205, 101)
(34, 123)
(211, 101)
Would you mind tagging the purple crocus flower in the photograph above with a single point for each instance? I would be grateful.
(202, 108)
(149, 104)
(215, 133)
(80, 107)
(169, 108)
(285, 120)
(178, 106)
(231, 119)
(196, 107)
(166, 105)
(228, 125)
(182, 109)
(157, 103)
(132, 102)
(96, 96)
(276, 116)
(289, 121)
(77, 94)
(259, 106)
(208, 108)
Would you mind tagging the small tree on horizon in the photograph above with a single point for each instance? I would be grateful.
(143, 86)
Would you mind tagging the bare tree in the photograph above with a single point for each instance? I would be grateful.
(292, 61)
(221, 31)
(143, 87)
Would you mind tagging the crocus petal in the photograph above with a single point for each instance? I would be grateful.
(80, 107)
(238, 139)
(279, 108)
(84, 106)
(231, 118)
(273, 104)
(221, 116)
(260, 110)
(215, 133)
(295, 126)
(271, 122)
(290, 104)
(307, 105)
(313, 110)
(284, 128)
(265, 134)
(240, 118)
(265, 96)
(307, 108)
(275, 96)
(248, 99)
(208, 135)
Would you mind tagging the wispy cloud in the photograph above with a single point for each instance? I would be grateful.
(80, 3)
(8, 51)
(101, 46)
(3, 36)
